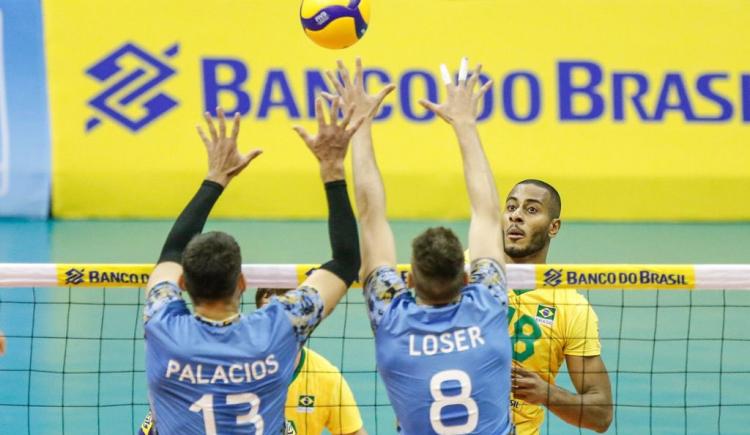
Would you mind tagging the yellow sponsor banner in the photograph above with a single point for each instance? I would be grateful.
(608, 276)
(304, 270)
(103, 275)
(629, 122)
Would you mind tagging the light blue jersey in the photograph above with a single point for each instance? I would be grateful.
(223, 378)
(446, 369)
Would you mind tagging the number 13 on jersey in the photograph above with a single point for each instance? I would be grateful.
(206, 405)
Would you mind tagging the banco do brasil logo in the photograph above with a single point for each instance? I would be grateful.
(553, 277)
(74, 276)
(131, 77)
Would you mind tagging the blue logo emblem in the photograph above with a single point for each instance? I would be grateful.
(553, 277)
(130, 76)
(74, 276)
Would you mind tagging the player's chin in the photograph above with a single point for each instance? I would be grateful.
(515, 245)
(516, 250)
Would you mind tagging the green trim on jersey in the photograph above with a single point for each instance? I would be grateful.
(302, 357)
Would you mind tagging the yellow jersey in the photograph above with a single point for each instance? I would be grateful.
(319, 397)
(544, 326)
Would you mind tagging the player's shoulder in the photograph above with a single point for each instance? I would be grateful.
(314, 360)
(573, 299)
(163, 301)
(558, 297)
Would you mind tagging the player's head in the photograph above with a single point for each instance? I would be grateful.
(212, 268)
(531, 218)
(263, 295)
(437, 266)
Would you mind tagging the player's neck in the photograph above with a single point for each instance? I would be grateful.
(423, 301)
(218, 311)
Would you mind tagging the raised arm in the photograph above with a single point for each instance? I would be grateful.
(224, 163)
(377, 243)
(460, 111)
(329, 146)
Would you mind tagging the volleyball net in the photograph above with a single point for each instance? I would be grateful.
(675, 340)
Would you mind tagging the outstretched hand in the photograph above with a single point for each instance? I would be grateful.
(354, 93)
(462, 102)
(331, 143)
(224, 159)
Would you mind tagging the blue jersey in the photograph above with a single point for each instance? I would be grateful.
(446, 369)
(223, 378)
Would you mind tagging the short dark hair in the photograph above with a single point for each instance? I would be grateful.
(438, 263)
(268, 292)
(211, 265)
(556, 208)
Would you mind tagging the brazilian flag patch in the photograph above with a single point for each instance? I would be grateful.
(545, 315)
(306, 403)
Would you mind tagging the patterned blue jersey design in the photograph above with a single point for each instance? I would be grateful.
(224, 378)
(446, 369)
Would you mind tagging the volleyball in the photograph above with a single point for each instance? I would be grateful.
(335, 23)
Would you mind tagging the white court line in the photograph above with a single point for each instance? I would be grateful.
(4, 137)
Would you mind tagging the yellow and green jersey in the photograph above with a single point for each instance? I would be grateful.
(319, 398)
(546, 325)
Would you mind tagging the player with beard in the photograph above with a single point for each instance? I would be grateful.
(548, 326)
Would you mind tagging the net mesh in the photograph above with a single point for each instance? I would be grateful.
(677, 360)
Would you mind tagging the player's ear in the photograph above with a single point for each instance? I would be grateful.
(465, 278)
(181, 282)
(410, 280)
(554, 227)
(241, 284)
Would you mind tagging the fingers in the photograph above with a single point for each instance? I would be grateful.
(380, 97)
(335, 82)
(483, 90)
(474, 78)
(348, 117)
(319, 115)
(211, 128)
(447, 80)
(252, 155)
(206, 141)
(344, 73)
(463, 70)
(303, 134)
(384, 92)
(330, 97)
(236, 126)
(222, 123)
(334, 112)
(358, 73)
(246, 159)
(429, 105)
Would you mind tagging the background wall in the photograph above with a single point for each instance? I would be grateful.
(636, 110)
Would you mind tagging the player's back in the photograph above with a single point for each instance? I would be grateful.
(447, 369)
(213, 378)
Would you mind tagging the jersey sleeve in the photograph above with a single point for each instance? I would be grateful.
(382, 286)
(582, 338)
(160, 297)
(344, 417)
(304, 309)
(491, 274)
